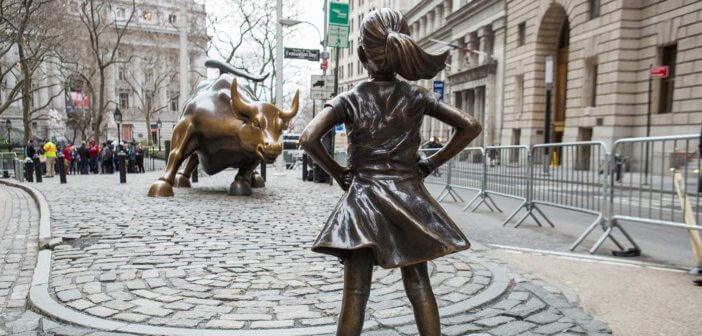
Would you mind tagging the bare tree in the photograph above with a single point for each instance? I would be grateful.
(250, 45)
(150, 78)
(34, 29)
(105, 25)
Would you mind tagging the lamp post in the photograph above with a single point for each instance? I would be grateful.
(159, 124)
(118, 120)
(547, 118)
(8, 124)
(120, 154)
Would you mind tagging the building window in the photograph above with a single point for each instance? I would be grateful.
(173, 100)
(594, 9)
(593, 87)
(124, 99)
(667, 56)
(351, 69)
(120, 73)
(148, 16)
(521, 34)
(171, 18)
(121, 13)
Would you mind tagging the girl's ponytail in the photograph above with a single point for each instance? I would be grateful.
(410, 61)
(389, 49)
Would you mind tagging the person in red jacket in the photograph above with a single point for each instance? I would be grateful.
(94, 151)
(67, 157)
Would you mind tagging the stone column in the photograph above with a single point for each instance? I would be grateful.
(485, 43)
(423, 27)
(471, 41)
(440, 19)
(430, 22)
(479, 114)
(447, 7)
(498, 30)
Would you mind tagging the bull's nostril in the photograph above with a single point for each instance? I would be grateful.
(266, 144)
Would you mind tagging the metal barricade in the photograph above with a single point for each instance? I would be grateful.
(465, 171)
(642, 184)
(7, 164)
(505, 173)
(439, 176)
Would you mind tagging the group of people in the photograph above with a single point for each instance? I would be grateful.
(86, 159)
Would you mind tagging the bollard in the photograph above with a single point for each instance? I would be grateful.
(304, 167)
(62, 168)
(29, 170)
(121, 158)
(194, 176)
(19, 170)
(37, 168)
(263, 170)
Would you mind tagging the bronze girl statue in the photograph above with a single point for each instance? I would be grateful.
(387, 217)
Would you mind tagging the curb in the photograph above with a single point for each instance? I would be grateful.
(44, 213)
(40, 298)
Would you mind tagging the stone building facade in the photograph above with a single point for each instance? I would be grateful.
(153, 35)
(473, 81)
(602, 53)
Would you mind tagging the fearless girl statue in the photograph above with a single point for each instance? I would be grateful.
(387, 217)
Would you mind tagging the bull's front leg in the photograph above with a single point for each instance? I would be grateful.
(182, 180)
(242, 182)
(183, 146)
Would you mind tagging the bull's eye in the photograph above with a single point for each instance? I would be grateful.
(255, 124)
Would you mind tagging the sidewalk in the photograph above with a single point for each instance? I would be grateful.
(204, 263)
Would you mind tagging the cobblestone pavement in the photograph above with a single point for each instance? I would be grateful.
(203, 259)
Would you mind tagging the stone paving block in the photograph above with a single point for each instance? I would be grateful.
(152, 311)
(80, 304)
(130, 317)
(225, 324)
(247, 317)
(174, 322)
(101, 311)
(553, 328)
(457, 330)
(69, 295)
(544, 317)
(494, 321)
(513, 328)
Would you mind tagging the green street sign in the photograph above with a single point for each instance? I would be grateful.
(338, 13)
(338, 36)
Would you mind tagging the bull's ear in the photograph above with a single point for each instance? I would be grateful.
(239, 106)
(287, 115)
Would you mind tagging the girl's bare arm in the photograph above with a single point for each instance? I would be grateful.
(310, 141)
(467, 128)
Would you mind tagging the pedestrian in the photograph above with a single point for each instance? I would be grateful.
(50, 153)
(131, 156)
(75, 160)
(432, 147)
(84, 158)
(29, 150)
(67, 158)
(94, 151)
(140, 158)
(106, 159)
(42, 159)
(387, 217)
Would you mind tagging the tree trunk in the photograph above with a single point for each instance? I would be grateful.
(26, 93)
(99, 111)
(148, 127)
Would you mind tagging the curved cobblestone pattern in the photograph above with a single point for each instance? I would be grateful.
(207, 260)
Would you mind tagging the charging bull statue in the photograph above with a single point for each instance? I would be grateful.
(224, 126)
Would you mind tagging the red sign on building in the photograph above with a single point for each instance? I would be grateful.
(660, 71)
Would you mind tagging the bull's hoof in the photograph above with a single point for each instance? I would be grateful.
(240, 187)
(181, 181)
(257, 181)
(160, 188)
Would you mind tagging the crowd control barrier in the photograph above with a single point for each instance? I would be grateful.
(642, 186)
(653, 181)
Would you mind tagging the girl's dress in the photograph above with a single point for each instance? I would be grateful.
(387, 208)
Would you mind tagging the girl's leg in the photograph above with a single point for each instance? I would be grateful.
(358, 269)
(416, 280)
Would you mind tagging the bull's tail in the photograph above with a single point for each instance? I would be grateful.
(227, 68)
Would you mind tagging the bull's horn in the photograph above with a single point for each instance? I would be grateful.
(239, 106)
(287, 115)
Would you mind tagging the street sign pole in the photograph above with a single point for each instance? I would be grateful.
(648, 121)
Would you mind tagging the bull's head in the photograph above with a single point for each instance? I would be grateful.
(263, 125)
